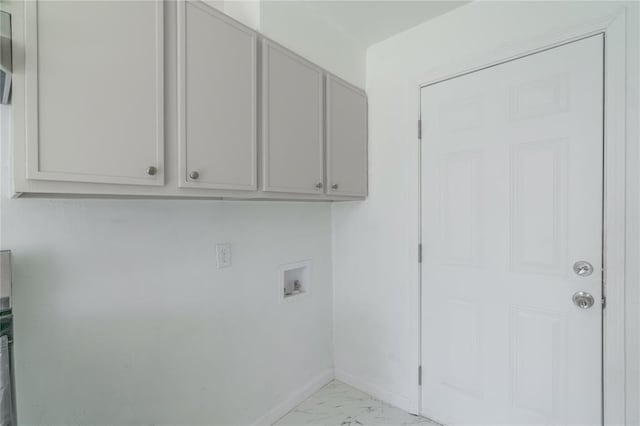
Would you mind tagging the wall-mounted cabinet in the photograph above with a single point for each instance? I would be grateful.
(217, 99)
(292, 122)
(346, 118)
(95, 92)
(175, 99)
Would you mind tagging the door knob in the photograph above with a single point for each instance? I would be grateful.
(319, 185)
(583, 300)
(194, 175)
(152, 170)
(334, 186)
(583, 268)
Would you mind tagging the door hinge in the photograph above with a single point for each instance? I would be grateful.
(604, 302)
(419, 375)
(419, 253)
(419, 129)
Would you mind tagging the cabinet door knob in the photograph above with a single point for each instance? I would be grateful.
(319, 185)
(194, 175)
(334, 186)
(152, 170)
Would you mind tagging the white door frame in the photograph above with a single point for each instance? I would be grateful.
(614, 249)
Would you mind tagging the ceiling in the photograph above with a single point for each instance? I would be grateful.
(370, 21)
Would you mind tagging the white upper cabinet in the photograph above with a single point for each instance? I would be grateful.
(94, 91)
(244, 117)
(292, 120)
(346, 139)
(217, 104)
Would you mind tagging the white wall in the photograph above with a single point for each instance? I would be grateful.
(121, 316)
(375, 242)
(296, 26)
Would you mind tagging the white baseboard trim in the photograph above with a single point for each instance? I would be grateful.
(399, 401)
(295, 398)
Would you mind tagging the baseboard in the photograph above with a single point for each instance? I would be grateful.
(399, 401)
(295, 398)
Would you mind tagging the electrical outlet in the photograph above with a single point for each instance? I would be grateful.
(223, 255)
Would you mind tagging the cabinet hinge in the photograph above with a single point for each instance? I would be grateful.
(419, 253)
(420, 129)
(419, 375)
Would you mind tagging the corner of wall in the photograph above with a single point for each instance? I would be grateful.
(397, 400)
(296, 397)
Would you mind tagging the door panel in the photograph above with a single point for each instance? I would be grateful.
(538, 210)
(292, 122)
(217, 98)
(96, 109)
(346, 139)
(512, 186)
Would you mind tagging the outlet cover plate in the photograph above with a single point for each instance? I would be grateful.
(223, 255)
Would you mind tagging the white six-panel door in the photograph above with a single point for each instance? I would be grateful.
(512, 188)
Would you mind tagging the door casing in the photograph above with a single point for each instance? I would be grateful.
(614, 198)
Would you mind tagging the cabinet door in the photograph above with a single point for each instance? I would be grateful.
(217, 100)
(292, 122)
(346, 139)
(95, 109)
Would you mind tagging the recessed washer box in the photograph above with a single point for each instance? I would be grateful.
(294, 281)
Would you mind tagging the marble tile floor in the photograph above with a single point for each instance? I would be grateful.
(338, 404)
